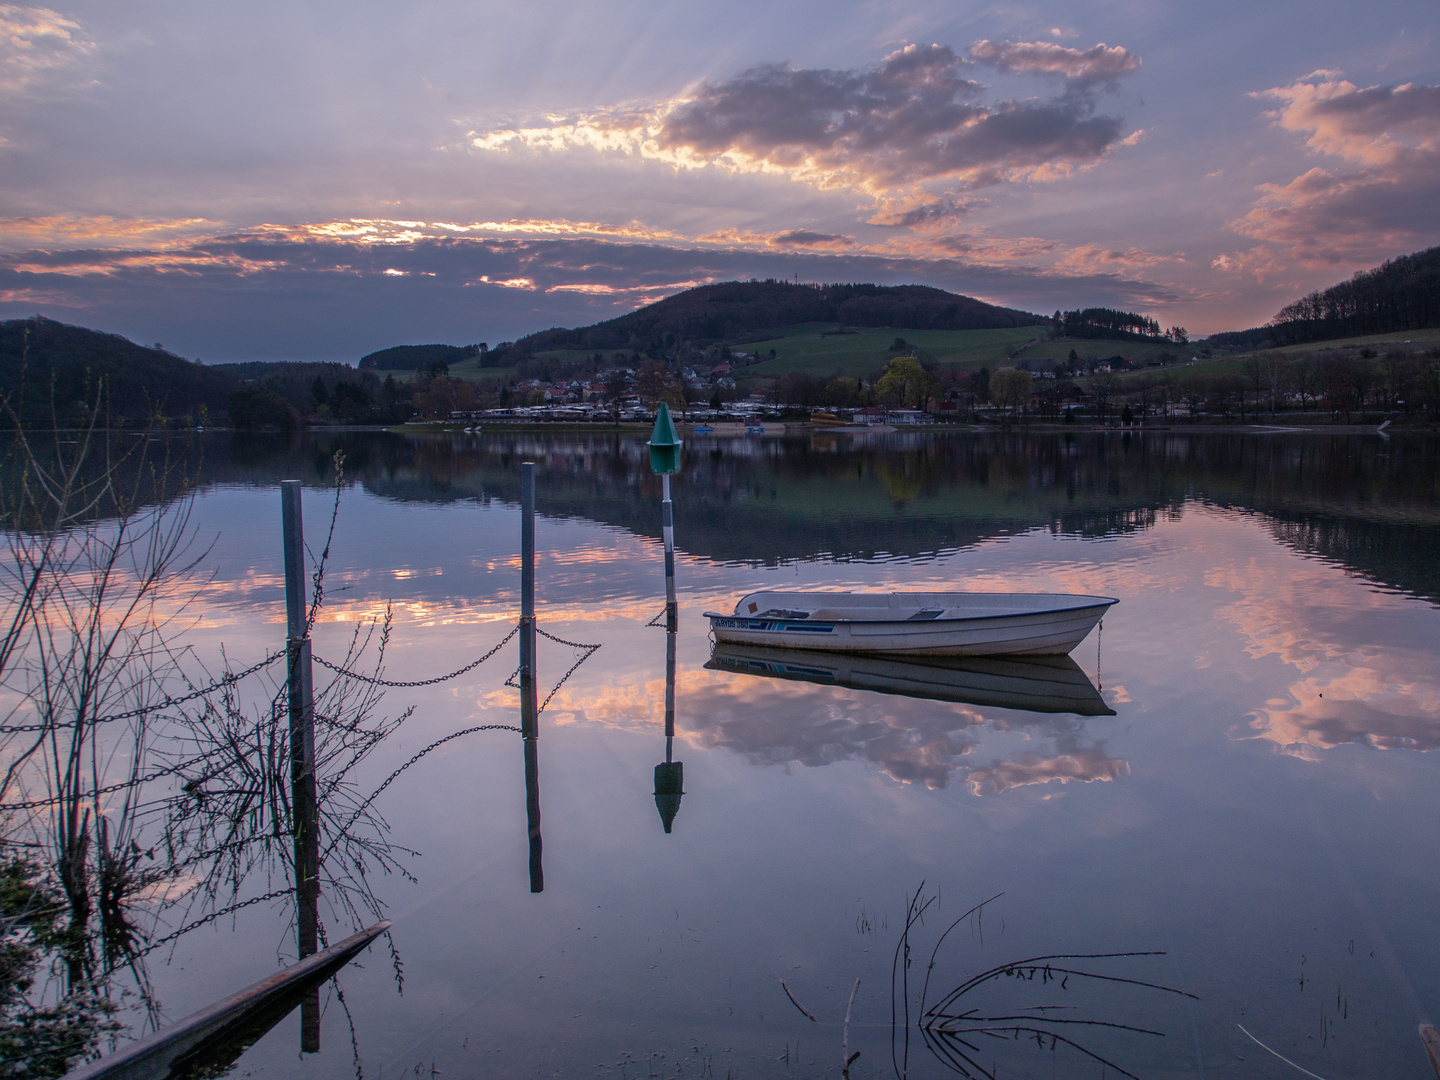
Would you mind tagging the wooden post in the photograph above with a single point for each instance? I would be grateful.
(529, 714)
(302, 752)
(667, 524)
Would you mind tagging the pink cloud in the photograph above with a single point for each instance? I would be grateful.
(1377, 199)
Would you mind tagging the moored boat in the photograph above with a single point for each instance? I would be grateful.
(914, 623)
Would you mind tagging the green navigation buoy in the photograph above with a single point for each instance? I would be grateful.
(664, 444)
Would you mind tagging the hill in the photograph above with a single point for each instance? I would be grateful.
(740, 311)
(143, 381)
(1399, 295)
(418, 357)
(149, 385)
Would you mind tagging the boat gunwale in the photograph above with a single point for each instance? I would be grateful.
(1105, 602)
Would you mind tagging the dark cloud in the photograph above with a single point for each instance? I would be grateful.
(1081, 68)
(263, 296)
(929, 214)
(805, 238)
(914, 117)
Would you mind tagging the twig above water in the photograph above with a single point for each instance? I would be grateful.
(797, 1004)
(1279, 1055)
(846, 1058)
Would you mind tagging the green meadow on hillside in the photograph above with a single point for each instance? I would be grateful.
(1235, 363)
(1399, 337)
(819, 350)
(1057, 350)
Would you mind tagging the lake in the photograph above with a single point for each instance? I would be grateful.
(1243, 800)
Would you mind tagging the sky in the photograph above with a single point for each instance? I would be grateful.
(314, 180)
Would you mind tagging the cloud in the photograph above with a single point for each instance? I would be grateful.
(1380, 196)
(1344, 689)
(923, 213)
(1083, 764)
(39, 51)
(915, 118)
(1374, 126)
(807, 239)
(911, 740)
(1080, 67)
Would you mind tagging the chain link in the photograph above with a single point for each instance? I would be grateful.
(418, 682)
(562, 641)
(219, 684)
(589, 651)
(438, 742)
(211, 918)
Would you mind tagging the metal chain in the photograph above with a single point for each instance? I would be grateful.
(589, 651)
(34, 804)
(220, 684)
(438, 742)
(418, 682)
(211, 918)
(562, 641)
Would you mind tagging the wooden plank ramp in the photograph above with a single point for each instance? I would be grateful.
(1431, 1041)
(228, 1020)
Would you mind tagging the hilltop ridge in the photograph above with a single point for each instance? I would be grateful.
(740, 310)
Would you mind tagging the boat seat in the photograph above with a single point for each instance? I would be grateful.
(928, 613)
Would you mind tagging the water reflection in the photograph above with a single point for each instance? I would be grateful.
(1369, 504)
(669, 774)
(1044, 684)
(778, 720)
(1171, 826)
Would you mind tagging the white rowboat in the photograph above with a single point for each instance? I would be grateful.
(914, 623)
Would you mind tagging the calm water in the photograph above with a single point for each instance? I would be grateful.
(1261, 807)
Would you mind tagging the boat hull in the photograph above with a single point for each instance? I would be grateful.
(1035, 624)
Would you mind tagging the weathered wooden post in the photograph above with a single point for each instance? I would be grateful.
(529, 714)
(300, 686)
(665, 459)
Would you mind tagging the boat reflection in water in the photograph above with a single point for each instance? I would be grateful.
(1042, 684)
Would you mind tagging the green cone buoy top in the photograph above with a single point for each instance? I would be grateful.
(664, 433)
(664, 444)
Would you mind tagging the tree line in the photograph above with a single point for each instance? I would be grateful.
(1099, 322)
(1399, 295)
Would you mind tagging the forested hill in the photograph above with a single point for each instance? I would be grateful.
(142, 381)
(417, 357)
(1403, 294)
(153, 387)
(740, 310)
